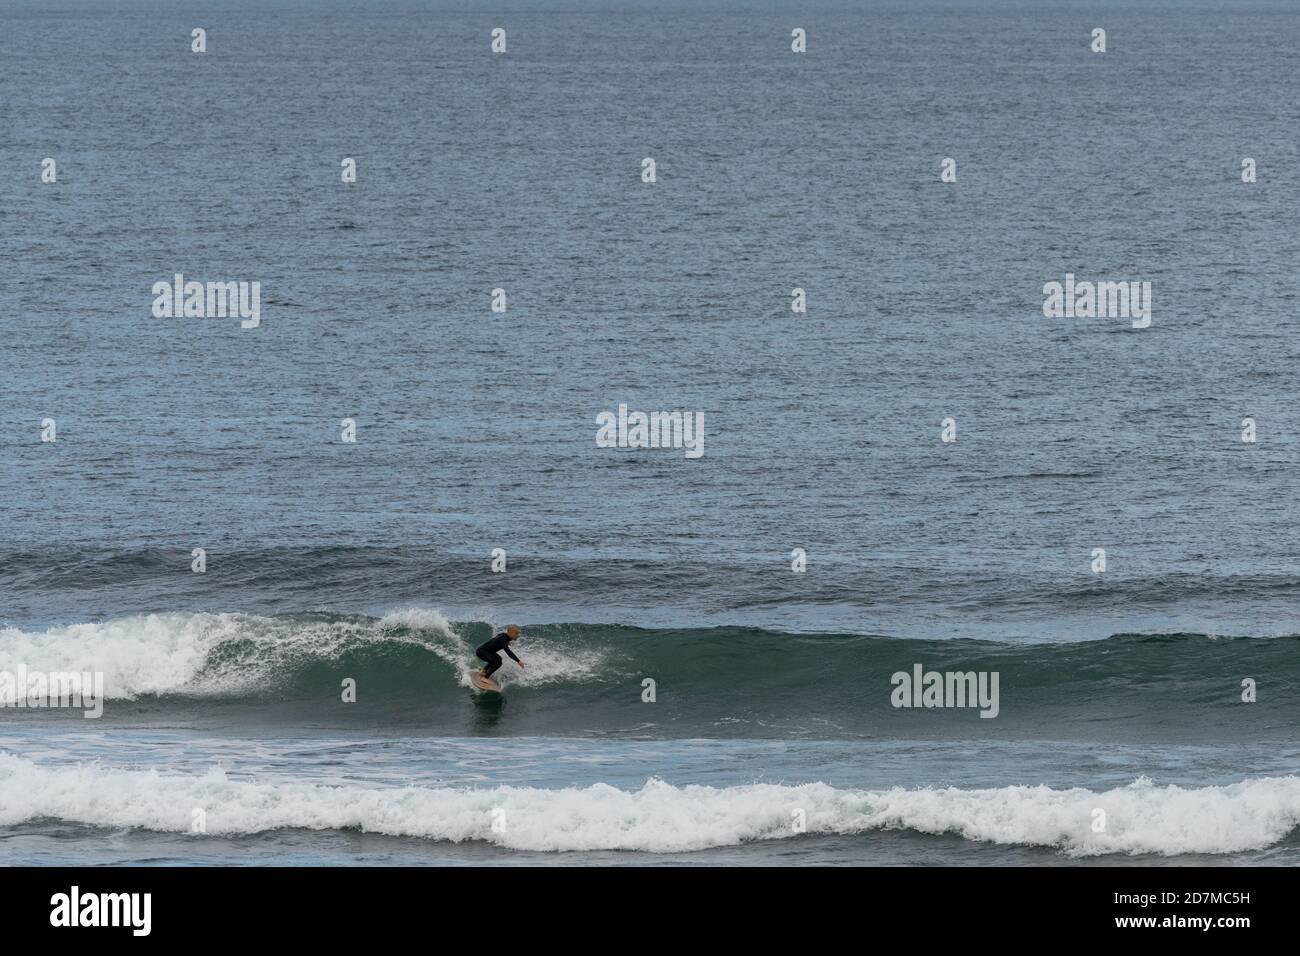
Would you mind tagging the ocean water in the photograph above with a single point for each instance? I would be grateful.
(772, 736)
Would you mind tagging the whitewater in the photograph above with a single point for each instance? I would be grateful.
(657, 817)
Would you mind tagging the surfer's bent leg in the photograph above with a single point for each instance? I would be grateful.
(493, 661)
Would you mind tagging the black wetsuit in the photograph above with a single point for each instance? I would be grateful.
(488, 653)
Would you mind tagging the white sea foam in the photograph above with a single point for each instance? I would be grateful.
(137, 655)
(658, 817)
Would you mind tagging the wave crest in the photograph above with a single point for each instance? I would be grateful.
(661, 818)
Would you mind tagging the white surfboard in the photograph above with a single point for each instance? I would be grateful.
(484, 683)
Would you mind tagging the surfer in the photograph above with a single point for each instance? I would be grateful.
(487, 652)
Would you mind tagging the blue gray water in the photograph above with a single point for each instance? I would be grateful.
(476, 430)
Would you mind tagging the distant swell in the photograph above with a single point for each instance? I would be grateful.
(915, 599)
(661, 818)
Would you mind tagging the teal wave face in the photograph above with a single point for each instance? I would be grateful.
(411, 668)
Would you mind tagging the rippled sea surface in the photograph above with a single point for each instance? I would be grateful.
(370, 561)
